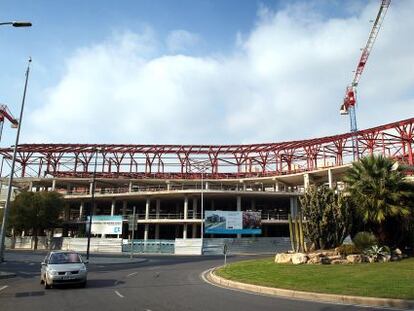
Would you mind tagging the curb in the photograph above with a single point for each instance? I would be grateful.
(6, 275)
(318, 297)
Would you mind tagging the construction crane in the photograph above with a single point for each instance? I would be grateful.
(348, 106)
(6, 114)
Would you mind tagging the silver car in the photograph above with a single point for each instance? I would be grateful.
(63, 267)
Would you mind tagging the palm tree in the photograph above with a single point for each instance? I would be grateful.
(377, 188)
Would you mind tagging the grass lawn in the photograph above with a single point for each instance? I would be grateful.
(388, 280)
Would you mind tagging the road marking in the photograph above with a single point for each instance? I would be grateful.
(121, 296)
(28, 273)
(131, 274)
(3, 287)
(31, 264)
(116, 283)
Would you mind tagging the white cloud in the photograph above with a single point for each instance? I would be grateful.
(285, 80)
(181, 40)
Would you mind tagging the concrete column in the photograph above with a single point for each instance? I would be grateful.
(53, 184)
(194, 235)
(244, 187)
(130, 186)
(90, 188)
(293, 206)
(239, 210)
(124, 207)
(185, 216)
(330, 179)
(157, 231)
(31, 186)
(168, 186)
(185, 231)
(147, 208)
(185, 207)
(113, 203)
(81, 210)
(276, 186)
(146, 232)
(195, 201)
(206, 185)
(306, 181)
(157, 208)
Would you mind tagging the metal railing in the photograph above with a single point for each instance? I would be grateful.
(149, 246)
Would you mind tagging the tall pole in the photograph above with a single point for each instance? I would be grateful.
(9, 189)
(92, 203)
(134, 222)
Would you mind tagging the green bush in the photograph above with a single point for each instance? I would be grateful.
(364, 240)
(347, 249)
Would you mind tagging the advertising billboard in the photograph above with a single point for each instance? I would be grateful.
(106, 224)
(226, 222)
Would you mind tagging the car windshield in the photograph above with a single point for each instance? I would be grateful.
(62, 258)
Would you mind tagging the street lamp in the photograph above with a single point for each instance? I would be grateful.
(17, 24)
(9, 189)
(92, 203)
(202, 167)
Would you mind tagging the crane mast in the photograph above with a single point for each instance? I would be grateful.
(6, 114)
(348, 106)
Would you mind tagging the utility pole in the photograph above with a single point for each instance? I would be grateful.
(92, 203)
(134, 225)
(9, 189)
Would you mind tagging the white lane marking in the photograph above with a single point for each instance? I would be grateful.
(31, 264)
(148, 310)
(116, 292)
(28, 273)
(131, 274)
(3, 287)
(116, 283)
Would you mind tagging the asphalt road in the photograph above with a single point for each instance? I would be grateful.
(158, 283)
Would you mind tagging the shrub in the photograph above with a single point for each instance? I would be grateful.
(347, 249)
(364, 240)
(377, 252)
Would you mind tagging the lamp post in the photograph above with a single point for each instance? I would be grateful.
(9, 189)
(17, 24)
(92, 203)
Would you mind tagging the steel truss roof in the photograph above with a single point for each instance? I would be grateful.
(213, 161)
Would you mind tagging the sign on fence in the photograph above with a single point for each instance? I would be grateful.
(106, 224)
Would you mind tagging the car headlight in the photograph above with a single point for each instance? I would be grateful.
(52, 272)
(83, 269)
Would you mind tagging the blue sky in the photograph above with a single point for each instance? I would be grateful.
(200, 71)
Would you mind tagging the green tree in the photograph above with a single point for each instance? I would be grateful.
(327, 216)
(380, 195)
(35, 212)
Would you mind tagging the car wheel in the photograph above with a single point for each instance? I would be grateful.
(41, 280)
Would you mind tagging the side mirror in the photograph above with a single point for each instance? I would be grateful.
(43, 263)
(86, 261)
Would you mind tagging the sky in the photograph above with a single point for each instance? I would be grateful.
(201, 71)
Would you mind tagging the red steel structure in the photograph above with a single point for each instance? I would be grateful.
(219, 161)
(350, 94)
(6, 114)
